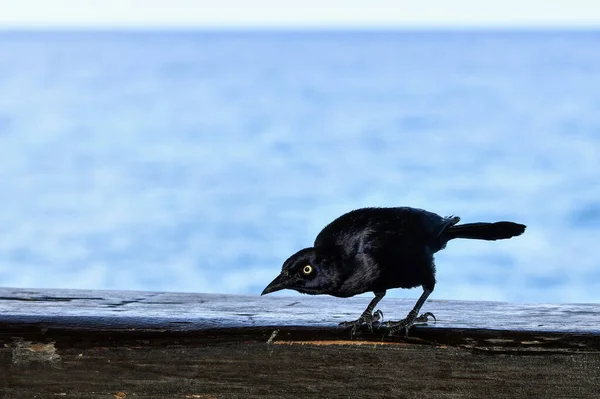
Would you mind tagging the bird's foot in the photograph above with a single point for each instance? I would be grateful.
(366, 319)
(405, 325)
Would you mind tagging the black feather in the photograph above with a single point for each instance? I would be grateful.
(376, 249)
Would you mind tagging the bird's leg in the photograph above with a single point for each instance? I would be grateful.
(367, 317)
(411, 318)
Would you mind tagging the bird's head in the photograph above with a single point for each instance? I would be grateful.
(309, 271)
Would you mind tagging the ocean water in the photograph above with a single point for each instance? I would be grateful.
(199, 161)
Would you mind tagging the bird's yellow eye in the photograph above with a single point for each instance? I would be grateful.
(307, 269)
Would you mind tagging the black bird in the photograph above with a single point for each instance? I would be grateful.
(377, 249)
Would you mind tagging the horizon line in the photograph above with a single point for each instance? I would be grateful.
(302, 28)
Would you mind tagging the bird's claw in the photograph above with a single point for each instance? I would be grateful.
(375, 317)
(406, 324)
(424, 318)
(366, 319)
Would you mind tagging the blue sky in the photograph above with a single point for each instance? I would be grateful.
(307, 13)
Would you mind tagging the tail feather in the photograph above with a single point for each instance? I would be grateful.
(485, 231)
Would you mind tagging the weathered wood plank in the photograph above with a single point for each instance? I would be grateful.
(105, 344)
(251, 369)
(193, 312)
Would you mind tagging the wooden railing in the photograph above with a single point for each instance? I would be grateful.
(107, 344)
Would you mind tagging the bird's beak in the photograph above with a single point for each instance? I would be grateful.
(281, 282)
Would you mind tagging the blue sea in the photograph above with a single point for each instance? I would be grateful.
(199, 161)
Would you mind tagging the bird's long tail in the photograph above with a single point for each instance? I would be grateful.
(485, 231)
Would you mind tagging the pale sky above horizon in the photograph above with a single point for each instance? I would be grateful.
(307, 13)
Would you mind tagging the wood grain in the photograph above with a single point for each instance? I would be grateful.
(193, 312)
(107, 344)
